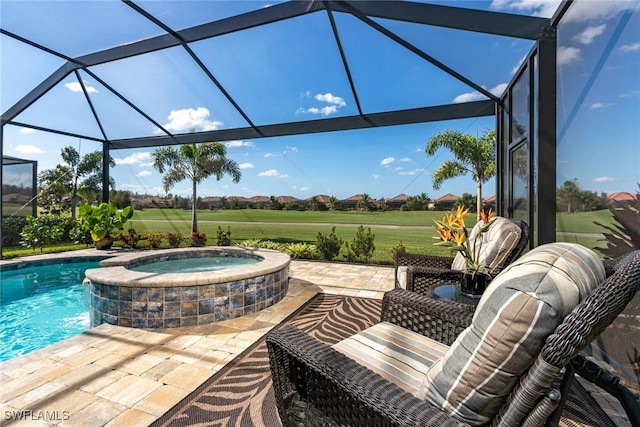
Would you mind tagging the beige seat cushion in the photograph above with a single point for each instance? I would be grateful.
(399, 355)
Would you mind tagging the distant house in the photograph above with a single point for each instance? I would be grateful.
(396, 202)
(489, 202)
(351, 202)
(322, 199)
(624, 197)
(259, 202)
(446, 202)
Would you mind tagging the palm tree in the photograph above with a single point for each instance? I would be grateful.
(333, 203)
(196, 163)
(364, 202)
(472, 154)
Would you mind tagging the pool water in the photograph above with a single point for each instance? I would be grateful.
(194, 264)
(42, 305)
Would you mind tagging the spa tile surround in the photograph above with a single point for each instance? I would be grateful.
(123, 297)
(178, 306)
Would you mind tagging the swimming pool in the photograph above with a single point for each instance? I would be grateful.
(42, 303)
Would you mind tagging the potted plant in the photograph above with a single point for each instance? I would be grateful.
(452, 232)
(103, 220)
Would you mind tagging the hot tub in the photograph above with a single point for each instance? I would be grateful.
(155, 299)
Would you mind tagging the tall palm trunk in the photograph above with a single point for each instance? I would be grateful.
(478, 198)
(194, 219)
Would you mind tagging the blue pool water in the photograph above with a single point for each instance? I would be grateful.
(42, 304)
(194, 264)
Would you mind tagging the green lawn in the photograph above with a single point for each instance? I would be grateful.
(419, 218)
(414, 229)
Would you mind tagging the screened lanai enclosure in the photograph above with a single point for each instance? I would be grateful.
(336, 93)
(124, 76)
(225, 56)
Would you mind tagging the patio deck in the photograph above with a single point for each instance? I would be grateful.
(118, 376)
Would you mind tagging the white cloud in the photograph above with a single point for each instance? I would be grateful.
(497, 90)
(387, 161)
(138, 158)
(567, 55)
(580, 11)
(18, 179)
(144, 173)
(517, 66)
(76, 87)
(272, 155)
(589, 34)
(331, 99)
(237, 143)
(304, 188)
(335, 102)
(188, 118)
(27, 130)
(596, 105)
(325, 111)
(245, 165)
(407, 173)
(544, 8)
(630, 94)
(28, 149)
(136, 188)
(603, 179)
(405, 159)
(626, 48)
(294, 149)
(586, 11)
(376, 176)
(273, 173)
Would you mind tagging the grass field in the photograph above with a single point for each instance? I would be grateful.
(413, 229)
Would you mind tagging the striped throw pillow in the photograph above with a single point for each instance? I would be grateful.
(496, 244)
(520, 308)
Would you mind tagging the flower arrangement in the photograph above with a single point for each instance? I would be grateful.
(453, 233)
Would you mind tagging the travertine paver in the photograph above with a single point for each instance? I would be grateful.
(129, 390)
(156, 403)
(187, 376)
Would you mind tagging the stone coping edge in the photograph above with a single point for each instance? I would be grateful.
(115, 273)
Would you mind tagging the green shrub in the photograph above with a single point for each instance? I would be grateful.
(198, 239)
(154, 240)
(80, 234)
(174, 239)
(130, 239)
(250, 243)
(362, 247)
(329, 245)
(268, 244)
(223, 238)
(11, 229)
(40, 232)
(300, 250)
(399, 247)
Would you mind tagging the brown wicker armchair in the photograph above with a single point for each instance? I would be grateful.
(421, 273)
(316, 384)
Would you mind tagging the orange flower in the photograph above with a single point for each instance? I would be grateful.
(486, 216)
(459, 237)
(444, 234)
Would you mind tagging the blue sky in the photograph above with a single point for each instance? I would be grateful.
(291, 71)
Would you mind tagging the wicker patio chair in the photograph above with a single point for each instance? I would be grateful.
(316, 384)
(507, 239)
